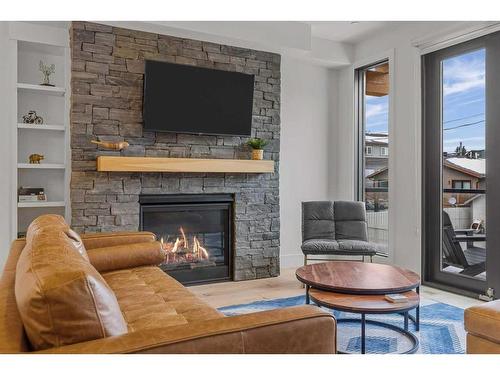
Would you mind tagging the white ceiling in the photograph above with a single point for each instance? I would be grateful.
(346, 31)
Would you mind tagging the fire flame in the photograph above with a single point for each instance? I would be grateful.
(180, 250)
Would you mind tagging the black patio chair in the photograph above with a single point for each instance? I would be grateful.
(472, 260)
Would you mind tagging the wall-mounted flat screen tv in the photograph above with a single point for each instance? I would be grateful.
(189, 99)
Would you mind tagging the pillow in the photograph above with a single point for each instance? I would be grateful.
(111, 258)
(57, 222)
(61, 297)
(77, 243)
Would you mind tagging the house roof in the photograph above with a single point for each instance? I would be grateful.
(381, 138)
(473, 167)
(377, 172)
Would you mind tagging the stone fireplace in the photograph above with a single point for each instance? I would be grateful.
(106, 104)
(196, 232)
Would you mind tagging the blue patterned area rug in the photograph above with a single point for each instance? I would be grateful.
(441, 327)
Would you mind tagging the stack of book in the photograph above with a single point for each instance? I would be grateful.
(31, 194)
(396, 298)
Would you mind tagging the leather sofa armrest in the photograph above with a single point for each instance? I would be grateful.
(94, 240)
(302, 329)
(138, 254)
(484, 320)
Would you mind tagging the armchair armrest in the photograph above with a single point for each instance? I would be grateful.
(94, 240)
(302, 329)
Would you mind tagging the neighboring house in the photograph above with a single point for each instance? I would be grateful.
(376, 152)
(459, 173)
(464, 173)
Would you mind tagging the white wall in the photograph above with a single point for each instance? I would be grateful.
(405, 192)
(307, 104)
(5, 151)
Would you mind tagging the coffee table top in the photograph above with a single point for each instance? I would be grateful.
(357, 277)
(366, 304)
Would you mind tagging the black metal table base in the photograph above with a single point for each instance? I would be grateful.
(404, 331)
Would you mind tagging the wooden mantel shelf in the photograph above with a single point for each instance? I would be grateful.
(150, 164)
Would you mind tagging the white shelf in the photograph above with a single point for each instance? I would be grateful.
(41, 204)
(50, 45)
(59, 91)
(41, 127)
(41, 166)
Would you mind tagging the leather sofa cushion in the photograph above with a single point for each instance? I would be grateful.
(149, 298)
(131, 255)
(61, 298)
(484, 320)
(77, 242)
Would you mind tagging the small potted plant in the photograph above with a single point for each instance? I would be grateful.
(257, 145)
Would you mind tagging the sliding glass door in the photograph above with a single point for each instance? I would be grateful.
(459, 160)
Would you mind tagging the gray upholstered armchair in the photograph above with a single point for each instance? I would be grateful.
(335, 228)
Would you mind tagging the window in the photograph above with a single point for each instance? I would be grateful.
(461, 184)
(372, 98)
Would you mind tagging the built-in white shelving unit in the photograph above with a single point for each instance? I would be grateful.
(31, 44)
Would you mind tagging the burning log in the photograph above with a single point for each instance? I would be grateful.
(181, 251)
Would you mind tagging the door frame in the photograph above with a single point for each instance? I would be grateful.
(385, 56)
(431, 152)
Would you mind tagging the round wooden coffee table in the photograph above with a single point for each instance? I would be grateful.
(357, 287)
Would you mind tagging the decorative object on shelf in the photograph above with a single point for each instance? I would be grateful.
(112, 145)
(47, 70)
(31, 194)
(32, 118)
(257, 145)
(35, 158)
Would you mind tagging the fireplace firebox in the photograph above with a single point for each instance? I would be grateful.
(195, 231)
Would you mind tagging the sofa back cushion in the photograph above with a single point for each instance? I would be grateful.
(77, 242)
(317, 220)
(350, 221)
(61, 298)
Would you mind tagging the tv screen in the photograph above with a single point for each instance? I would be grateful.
(188, 99)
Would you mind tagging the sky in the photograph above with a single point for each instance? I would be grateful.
(463, 103)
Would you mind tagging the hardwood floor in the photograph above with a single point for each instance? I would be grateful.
(286, 285)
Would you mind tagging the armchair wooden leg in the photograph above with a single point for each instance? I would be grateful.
(371, 258)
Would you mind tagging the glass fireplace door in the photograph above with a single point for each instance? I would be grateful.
(196, 238)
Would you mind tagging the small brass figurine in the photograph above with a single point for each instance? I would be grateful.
(112, 145)
(47, 70)
(36, 158)
(32, 118)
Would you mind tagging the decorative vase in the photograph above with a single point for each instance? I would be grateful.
(257, 154)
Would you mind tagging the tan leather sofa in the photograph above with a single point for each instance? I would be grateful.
(482, 324)
(55, 286)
